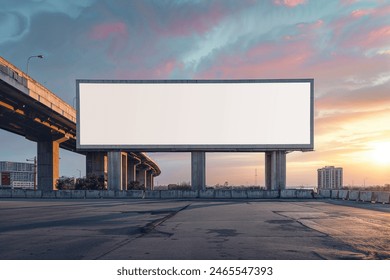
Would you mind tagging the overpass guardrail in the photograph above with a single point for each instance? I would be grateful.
(381, 197)
(356, 195)
(38, 91)
(159, 194)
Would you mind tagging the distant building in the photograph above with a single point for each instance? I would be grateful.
(330, 177)
(16, 175)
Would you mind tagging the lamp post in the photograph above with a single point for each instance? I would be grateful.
(79, 172)
(28, 60)
(35, 171)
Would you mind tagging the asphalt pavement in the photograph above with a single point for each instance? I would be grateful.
(193, 229)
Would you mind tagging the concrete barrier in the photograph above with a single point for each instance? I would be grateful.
(254, 194)
(305, 194)
(18, 193)
(189, 194)
(353, 195)
(135, 194)
(78, 194)
(93, 194)
(170, 194)
(120, 194)
(239, 194)
(206, 194)
(152, 194)
(270, 194)
(365, 196)
(325, 193)
(63, 194)
(288, 193)
(223, 194)
(107, 194)
(33, 194)
(48, 194)
(343, 194)
(382, 197)
(5, 193)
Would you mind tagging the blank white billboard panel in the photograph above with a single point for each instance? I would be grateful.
(195, 115)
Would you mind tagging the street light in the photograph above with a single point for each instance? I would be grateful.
(28, 60)
(35, 170)
(365, 182)
(79, 172)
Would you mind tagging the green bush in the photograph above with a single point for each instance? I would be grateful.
(135, 185)
(91, 182)
(65, 183)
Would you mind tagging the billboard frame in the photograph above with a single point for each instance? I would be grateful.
(199, 147)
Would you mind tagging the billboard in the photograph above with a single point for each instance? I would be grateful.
(5, 179)
(195, 115)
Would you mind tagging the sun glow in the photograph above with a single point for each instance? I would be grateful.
(380, 152)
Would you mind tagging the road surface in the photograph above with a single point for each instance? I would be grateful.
(193, 229)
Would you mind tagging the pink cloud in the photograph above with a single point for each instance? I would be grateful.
(361, 12)
(297, 57)
(368, 39)
(368, 35)
(347, 2)
(308, 27)
(289, 3)
(378, 36)
(165, 69)
(199, 23)
(188, 19)
(267, 60)
(114, 33)
(104, 30)
(162, 70)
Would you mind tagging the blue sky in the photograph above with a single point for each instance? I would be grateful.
(344, 45)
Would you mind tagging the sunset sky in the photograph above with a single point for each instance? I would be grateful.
(344, 45)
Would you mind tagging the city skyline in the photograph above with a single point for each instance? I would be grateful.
(343, 45)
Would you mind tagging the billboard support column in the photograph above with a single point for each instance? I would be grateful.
(268, 177)
(281, 170)
(275, 170)
(96, 164)
(117, 171)
(198, 170)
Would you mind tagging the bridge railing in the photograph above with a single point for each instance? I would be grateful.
(38, 91)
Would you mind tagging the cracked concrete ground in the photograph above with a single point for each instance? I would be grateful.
(193, 229)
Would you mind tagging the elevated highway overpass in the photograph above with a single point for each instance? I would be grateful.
(29, 109)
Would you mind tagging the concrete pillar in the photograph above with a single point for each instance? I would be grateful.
(117, 171)
(150, 180)
(275, 170)
(48, 151)
(281, 170)
(48, 164)
(132, 169)
(198, 170)
(124, 171)
(141, 175)
(96, 163)
(268, 177)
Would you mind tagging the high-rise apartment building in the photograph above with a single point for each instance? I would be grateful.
(330, 177)
(16, 175)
